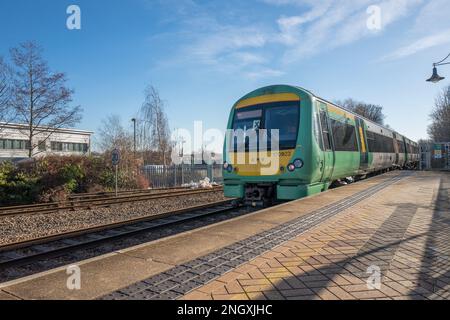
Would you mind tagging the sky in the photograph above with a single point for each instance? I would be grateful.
(203, 56)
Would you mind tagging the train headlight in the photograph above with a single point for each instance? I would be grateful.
(291, 167)
(298, 163)
(225, 165)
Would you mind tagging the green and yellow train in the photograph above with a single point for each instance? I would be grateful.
(319, 143)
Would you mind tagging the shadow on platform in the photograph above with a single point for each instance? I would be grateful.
(414, 265)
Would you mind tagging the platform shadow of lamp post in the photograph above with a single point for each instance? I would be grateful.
(435, 78)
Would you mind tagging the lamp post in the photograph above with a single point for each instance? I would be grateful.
(436, 77)
(134, 136)
(182, 159)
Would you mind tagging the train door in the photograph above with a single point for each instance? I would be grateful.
(364, 154)
(328, 160)
(407, 154)
(396, 150)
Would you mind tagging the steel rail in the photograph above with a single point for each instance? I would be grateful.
(123, 192)
(91, 203)
(41, 247)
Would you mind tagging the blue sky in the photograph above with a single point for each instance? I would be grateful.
(204, 55)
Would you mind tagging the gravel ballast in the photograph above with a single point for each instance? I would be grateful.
(25, 227)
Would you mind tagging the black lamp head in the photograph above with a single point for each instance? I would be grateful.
(435, 77)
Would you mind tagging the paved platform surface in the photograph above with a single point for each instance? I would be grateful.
(401, 234)
(396, 226)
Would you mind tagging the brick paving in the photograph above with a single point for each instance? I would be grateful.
(182, 279)
(402, 234)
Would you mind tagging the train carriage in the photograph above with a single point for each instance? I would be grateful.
(318, 144)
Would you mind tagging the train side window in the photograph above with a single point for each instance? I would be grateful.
(390, 145)
(344, 135)
(325, 131)
(402, 146)
(380, 143)
(371, 143)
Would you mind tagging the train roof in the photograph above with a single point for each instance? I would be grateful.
(309, 92)
(352, 112)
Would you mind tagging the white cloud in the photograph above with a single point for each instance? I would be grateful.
(210, 47)
(434, 16)
(420, 45)
(290, 26)
(262, 73)
(256, 48)
(431, 29)
(342, 23)
(248, 58)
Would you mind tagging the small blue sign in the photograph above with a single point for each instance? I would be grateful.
(115, 157)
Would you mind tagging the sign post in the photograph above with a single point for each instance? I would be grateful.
(447, 152)
(115, 159)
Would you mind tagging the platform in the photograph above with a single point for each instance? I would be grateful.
(382, 238)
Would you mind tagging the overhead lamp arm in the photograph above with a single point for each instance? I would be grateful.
(441, 63)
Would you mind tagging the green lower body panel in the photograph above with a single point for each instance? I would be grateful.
(297, 192)
(233, 190)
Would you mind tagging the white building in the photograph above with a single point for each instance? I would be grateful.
(14, 142)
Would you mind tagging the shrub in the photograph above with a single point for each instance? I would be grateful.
(72, 176)
(53, 178)
(16, 187)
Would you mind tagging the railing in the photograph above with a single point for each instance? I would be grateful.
(435, 156)
(177, 175)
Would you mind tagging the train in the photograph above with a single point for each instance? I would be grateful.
(318, 144)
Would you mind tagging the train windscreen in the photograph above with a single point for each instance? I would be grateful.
(282, 116)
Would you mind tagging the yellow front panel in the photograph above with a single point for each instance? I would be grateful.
(253, 165)
(279, 97)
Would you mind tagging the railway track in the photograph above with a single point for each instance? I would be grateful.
(82, 244)
(25, 252)
(93, 195)
(89, 201)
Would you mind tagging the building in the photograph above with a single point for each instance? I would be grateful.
(14, 144)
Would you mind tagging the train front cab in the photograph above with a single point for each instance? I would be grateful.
(298, 161)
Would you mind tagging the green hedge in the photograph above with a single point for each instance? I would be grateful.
(54, 178)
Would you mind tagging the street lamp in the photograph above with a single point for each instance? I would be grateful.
(436, 77)
(134, 136)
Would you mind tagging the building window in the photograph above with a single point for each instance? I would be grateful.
(42, 146)
(69, 147)
(10, 144)
(56, 146)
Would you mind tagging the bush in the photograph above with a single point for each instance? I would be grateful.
(53, 178)
(72, 176)
(16, 187)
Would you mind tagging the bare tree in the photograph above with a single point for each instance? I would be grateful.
(154, 131)
(5, 93)
(439, 130)
(40, 97)
(113, 135)
(370, 111)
